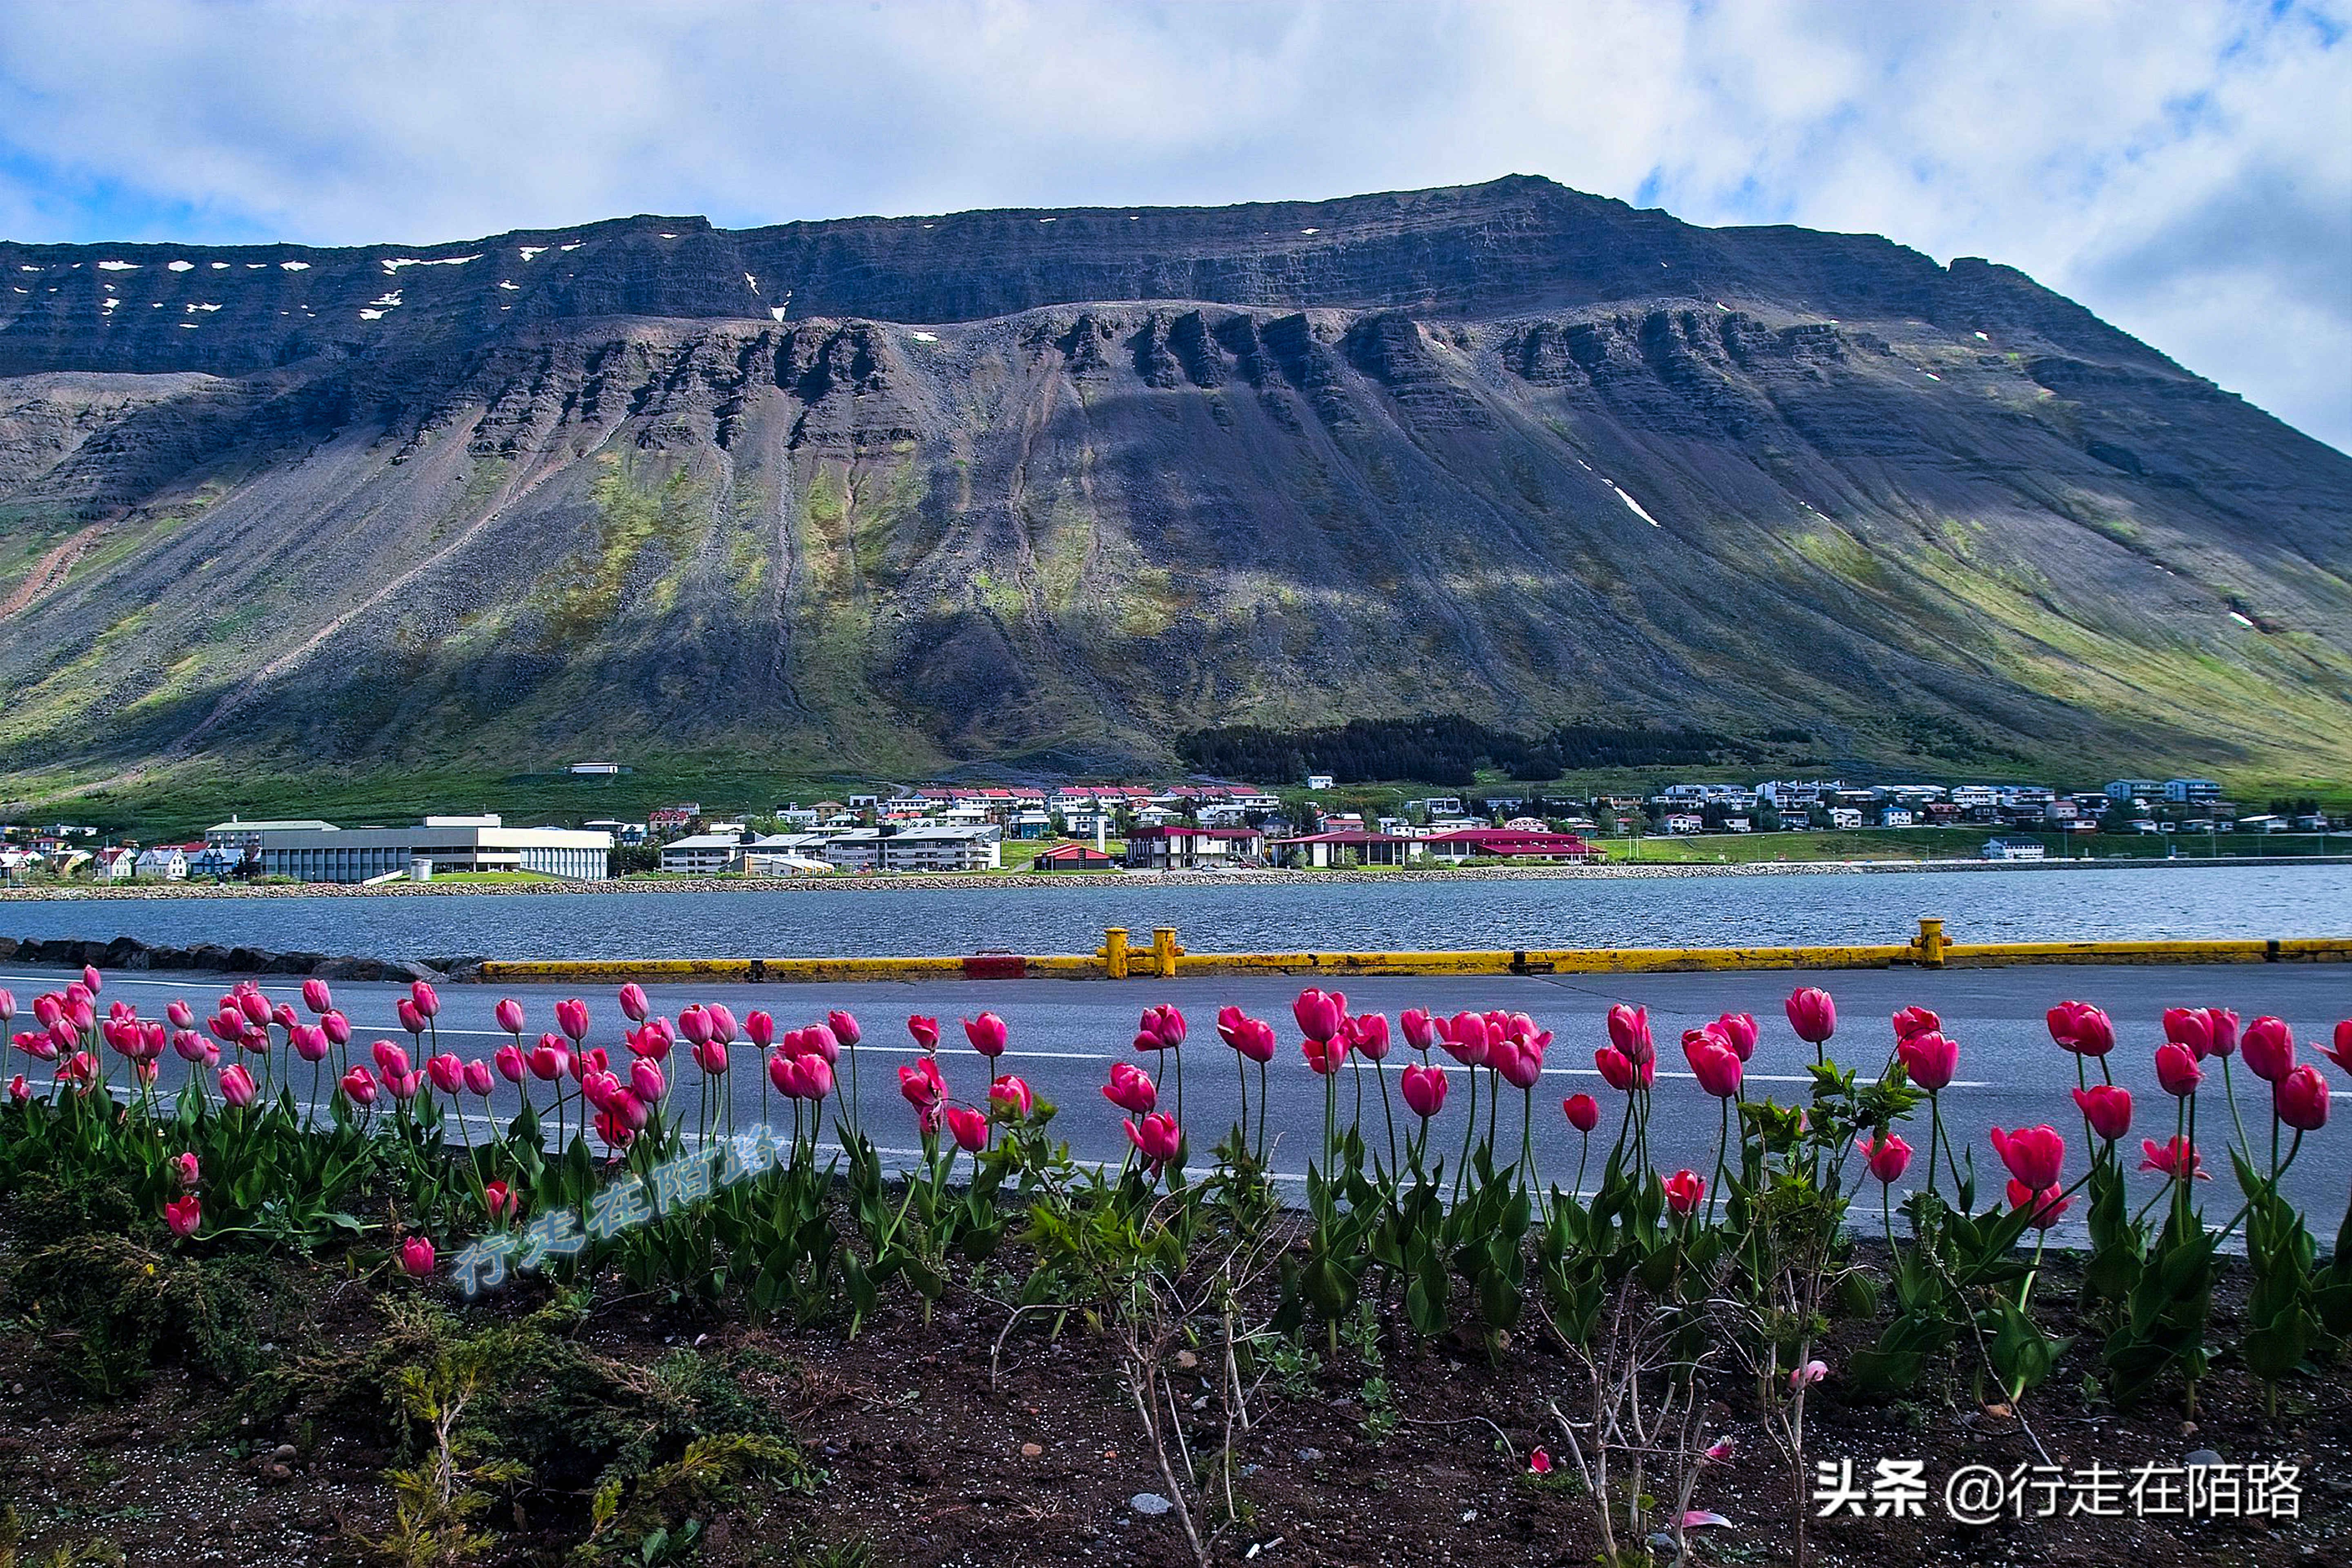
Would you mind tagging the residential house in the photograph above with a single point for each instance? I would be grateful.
(1346, 846)
(1073, 856)
(2192, 792)
(703, 854)
(1845, 817)
(1894, 816)
(118, 862)
(1685, 822)
(2014, 850)
(166, 862)
(1180, 849)
(929, 847)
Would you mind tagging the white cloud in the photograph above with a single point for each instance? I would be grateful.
(2186, 170)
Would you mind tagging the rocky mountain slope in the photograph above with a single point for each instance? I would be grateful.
(1046, 487)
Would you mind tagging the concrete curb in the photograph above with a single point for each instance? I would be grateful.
(1165, 959)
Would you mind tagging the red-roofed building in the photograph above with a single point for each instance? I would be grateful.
(1073, 856)
(1511, 844)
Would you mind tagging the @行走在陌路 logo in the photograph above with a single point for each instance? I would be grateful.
(1982, 1494)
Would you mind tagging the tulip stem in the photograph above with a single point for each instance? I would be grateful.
(1468, 1126)
(1387, 1114)
(2229, 1088)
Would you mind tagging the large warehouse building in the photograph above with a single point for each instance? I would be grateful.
(327, 854)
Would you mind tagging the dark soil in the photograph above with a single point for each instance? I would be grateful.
(922, 1461)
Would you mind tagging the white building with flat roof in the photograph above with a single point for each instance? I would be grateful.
(329, 854)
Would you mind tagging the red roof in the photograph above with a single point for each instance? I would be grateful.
(1180, 831)
(1348, 835)
(1510, 841)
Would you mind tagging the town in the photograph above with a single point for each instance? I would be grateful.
(1318, 826)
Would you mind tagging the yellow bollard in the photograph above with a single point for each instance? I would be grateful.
(1113, 953)
(1931, 943)
(1164, 952)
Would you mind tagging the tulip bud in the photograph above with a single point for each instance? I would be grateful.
(2176, 1068)
(1930, 1061)
(969, 1127)
(1916, 1020)
(926, 1031)
(182, 1217)
(1813, 1014)
(1684, 1191)
(358, 1087)
(1009, 1097)
(416, 1257)
(477, 1077)
(410, 1018)
(236, 1086)
(761, 1029)
(1155, 1137)
(90, 981)
(183, 1017)
(645, 1081)
(1420, 1029)
(1318, 1012)
(2269, 1047)
(1583, 1112)
(634, 1005)
(2035, 1155)
(2045, 1203)
(1738, 1032)
(1424, 1090)
(2300, 1098)
(309, 1042)
(2082, 1029)
(1887, 1159)
(1130, 1089)
(2108, 1108)
(987, 1033)
(509, 1015)
(427, 1002)
(694, 1024)
(338, 1029)
(843, 1026)
(316, 996)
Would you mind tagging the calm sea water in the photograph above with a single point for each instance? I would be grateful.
(1700, 912)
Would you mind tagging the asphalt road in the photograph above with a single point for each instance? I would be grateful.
(1066, 1034)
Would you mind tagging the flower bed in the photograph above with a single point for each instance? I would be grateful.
(1628, 1368)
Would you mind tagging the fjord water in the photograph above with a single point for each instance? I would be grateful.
(2147, 902)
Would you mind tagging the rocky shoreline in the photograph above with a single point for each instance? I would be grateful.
(129, 953)
(927, 882)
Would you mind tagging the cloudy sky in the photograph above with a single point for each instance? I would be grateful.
(2184, 168)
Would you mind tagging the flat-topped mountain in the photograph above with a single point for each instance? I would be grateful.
(1049, 487)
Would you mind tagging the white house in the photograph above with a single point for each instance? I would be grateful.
(2014, 850)
(1894, 816)
(1844, 816)
(703, 854)
(1318, 781)
(1685, 822)
(165, 863)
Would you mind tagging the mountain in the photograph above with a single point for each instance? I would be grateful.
(1045, 488)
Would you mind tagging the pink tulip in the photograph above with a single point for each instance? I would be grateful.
(1318, 1012)
(1930, 1061)
(1424, 1090)
(410, 1018)
(316, 996)
(1325, 1057)
(926, 1031)
(390, 1059)
(309, 1042)
(1713, 1062)
(2191, 1028)
(183, 1017)
(2081, 1029)
(1629, 1032)
(500, 1200)
(843, 1026)
(1164, 1026)
(183, 1215)
(817, 1077)
(427, 1002)
(694, 1024)
(572, 1017)
(509, 1015)
(1916, 1020)
(1155, 1137)
(478, 1080)
(1887, 1159)
(1621, 1073)
(921, 1084)
(987, 1034)
(184, 1169)
(406, 1087)
(1253, 1038)
(2340, 1053)
(549, 1059)
(1684, 1191)
(586, 1061)
(711, 1056)
(1130, 1089)
(2269, 1046)
(81, 1069)
(193, 1047)
(819, 1040)
(651, 1039)
(91, 980)
(968, 1127)
(634, 1005)
(2176, 1068)
(1420, 1029)
(2171, 1157)
(1368, 1035)
(336, 1027)
(1813, 1014)
(2108, 1108)
(2225, 1031)
(2035, 1155)
(760, 1028)
(1009, 1097)
(2300, 1098)
(236, 1086)
(1739, 1031)
(1519, 1062)
(1539, 1462)
(1805, 1376)
(47, 1009)
(722, 1023)
(417, 1255)
(510, 1062)
(19, 1091)
(645, 1081)
(1583, 1112)
(2046, 1204)
(1465, 1038)
(359, 1085)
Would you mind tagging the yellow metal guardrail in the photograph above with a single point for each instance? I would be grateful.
(1165, 959)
